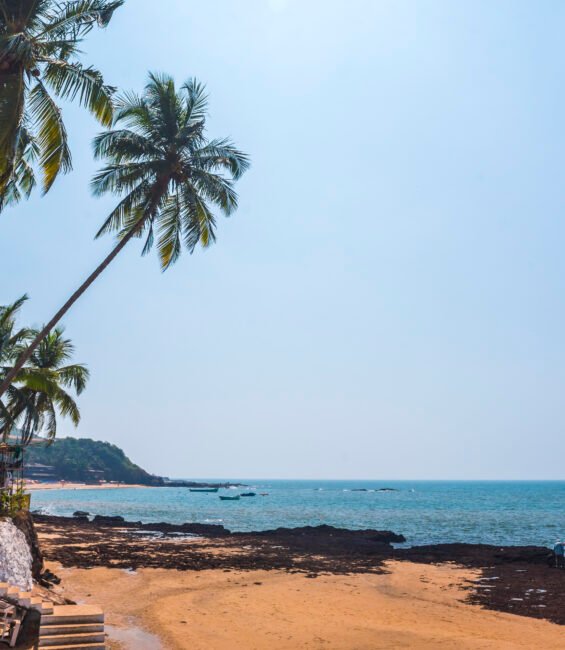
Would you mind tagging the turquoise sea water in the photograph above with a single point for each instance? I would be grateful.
(424, 512)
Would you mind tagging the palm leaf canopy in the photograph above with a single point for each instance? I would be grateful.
(169, 176)
(44, 387)
(39, 42)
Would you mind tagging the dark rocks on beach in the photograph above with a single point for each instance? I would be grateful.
(513, 579)
(309, 549)
(381, 536)
(81, 513)
(204, 530)
(48, 578)
(105, 519)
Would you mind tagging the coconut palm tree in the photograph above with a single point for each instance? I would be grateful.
(39, 42)
(39, 391)
(10, 339)
(169, 177)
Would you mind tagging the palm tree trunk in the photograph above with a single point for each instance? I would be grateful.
(65, 308)
(11, 114)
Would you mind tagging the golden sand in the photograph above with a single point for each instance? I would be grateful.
(66, 485)
(412, 606)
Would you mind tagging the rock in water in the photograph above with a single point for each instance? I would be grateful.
(15, 556)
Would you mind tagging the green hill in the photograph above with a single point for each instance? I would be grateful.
(86, 460)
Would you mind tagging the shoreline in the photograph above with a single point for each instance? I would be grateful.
(39, 487)
(512, 579)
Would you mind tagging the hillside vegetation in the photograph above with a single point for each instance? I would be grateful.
(72, 458)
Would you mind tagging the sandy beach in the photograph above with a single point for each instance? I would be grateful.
(36, 487)
(203, 588)
(411, 605)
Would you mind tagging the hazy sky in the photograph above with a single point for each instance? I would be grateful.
(388, 302)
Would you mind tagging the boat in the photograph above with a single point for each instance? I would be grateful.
(248, 494)
(226, 498)
(203, 489)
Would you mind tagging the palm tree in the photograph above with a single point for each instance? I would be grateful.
(38, 53)
(168, 174)
(38, 392)
(10, 339)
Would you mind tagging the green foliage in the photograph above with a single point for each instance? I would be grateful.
(170, 176)
(10, 503)
(73, 457)
(38, 53)
(40, 390)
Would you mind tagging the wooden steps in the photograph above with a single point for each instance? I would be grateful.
(86, 646)
(62, 627)
(72, 627)
(72, 639)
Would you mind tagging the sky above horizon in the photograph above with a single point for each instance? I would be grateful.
(387, 302)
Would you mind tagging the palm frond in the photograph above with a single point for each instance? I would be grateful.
(79, 17)
(70, 80)
(221, 154)
(124, 145)
(51, 135)
(196, 103)
(172, 176)
(169, 232)
(75, 376)
(132, 204)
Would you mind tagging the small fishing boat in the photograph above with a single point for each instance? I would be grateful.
(203, 489)
(248, 494)
(226, 498)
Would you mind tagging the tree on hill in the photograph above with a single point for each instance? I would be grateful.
(81, 459)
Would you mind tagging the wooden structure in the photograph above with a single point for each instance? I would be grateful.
(12, 497)
(12, 485)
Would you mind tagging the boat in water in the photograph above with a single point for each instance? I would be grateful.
(248, 494)
(203, 489)
(226, 498)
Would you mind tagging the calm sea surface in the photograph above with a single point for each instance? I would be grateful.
(424, 512)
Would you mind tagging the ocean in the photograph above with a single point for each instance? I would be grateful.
(425, 512)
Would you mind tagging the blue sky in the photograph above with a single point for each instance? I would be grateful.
(388, 302)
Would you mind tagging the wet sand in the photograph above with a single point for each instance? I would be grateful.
(409, 605)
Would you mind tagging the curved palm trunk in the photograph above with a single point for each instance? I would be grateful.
(12, 87)
(22, 359)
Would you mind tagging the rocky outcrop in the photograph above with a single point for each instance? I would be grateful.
(23, 521)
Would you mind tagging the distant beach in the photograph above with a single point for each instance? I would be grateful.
(64, 485)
